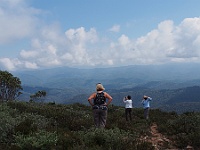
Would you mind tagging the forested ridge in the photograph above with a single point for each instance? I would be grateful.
(179, 100)
(172, 87)
(26, 125)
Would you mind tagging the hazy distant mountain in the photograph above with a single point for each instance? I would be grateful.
(116, 77)
(167, 84)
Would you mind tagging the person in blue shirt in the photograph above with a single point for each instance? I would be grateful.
(146, 105)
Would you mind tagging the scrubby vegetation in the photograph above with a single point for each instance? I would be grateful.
(36, 126)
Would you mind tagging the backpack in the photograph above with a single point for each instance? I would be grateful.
(99, 99)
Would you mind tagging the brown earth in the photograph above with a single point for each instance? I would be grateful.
(158, 140)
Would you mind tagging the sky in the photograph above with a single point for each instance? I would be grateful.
(39, 34)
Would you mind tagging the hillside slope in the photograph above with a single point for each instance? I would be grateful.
(179, 100)
(49, 126)
(114, 77)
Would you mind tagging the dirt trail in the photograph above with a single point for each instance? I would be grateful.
(157, 139)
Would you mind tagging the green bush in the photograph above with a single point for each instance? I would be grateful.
(185, 129)
(7, 123)
(42, 126)
(29, 123)
(113, 139)
(69, 140)
(73, 117)
(144, 146)
(39, 140)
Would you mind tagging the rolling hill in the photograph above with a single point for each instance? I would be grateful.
(169, 85)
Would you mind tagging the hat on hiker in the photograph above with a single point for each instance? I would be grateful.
(145, 97)
(99, 87)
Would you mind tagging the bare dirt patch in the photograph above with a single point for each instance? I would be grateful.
(158, 140)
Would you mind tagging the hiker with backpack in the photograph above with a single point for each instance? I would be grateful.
(98, 102)
(146, 105)
(128, 107)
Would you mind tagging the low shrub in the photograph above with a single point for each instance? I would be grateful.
(37, 140)
(185, 129)
(42, 126)
(115, 139)
(7, 123)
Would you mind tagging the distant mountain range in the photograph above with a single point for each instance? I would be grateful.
(168, 85)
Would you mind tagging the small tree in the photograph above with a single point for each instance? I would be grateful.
(10, 86)
(38, 95)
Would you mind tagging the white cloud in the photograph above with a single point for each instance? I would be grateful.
(17, 64)
(185, 43)
(30, 65)
(12, 3)
(28, 54)
(17, 20)
(115, 28)
(7, 64)
(81, 36)
(54, 49)
(167, 43)
(124, 40)
(51, 47)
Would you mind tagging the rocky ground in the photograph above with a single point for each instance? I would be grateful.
(159, 141)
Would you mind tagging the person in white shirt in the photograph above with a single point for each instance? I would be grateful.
(128, 107)
(146, 105)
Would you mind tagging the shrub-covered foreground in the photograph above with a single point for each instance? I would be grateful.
(35, 126)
